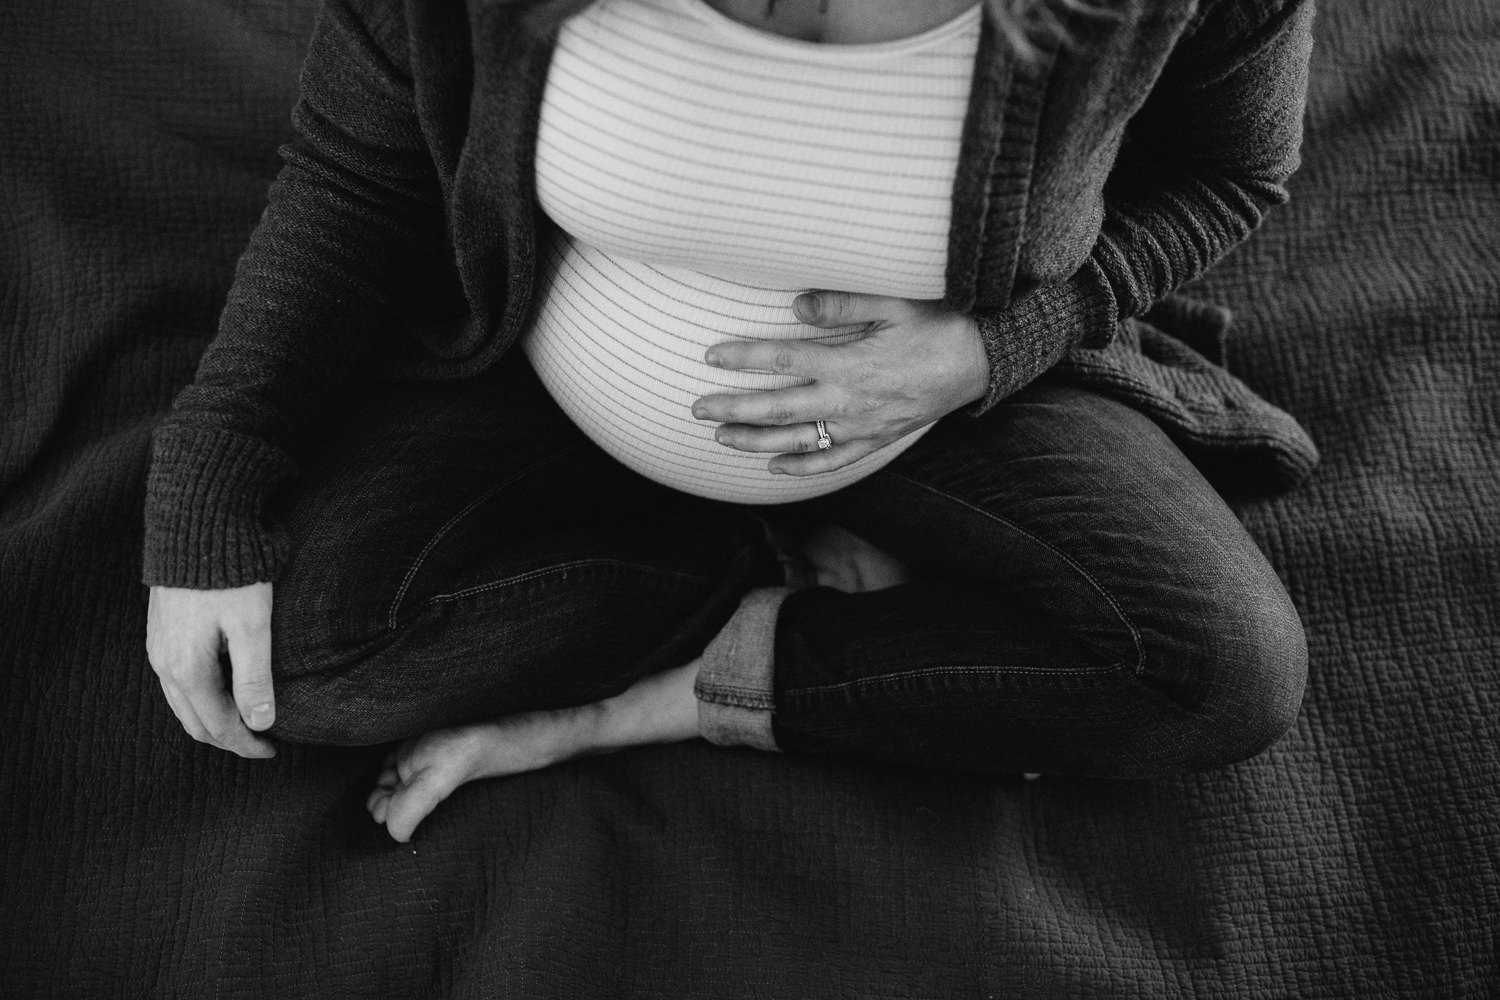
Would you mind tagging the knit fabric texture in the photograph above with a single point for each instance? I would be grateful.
(1355, 858)
(1092, 181)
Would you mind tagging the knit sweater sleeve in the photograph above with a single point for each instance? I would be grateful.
(1205, 157)
(354, 208)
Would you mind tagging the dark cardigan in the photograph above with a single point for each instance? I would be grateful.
(400, 238)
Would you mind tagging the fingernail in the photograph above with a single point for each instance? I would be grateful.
(713, 358)
(699, 411)
(806, 306)
(261, 716)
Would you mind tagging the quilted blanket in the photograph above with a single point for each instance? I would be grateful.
(1358, 857)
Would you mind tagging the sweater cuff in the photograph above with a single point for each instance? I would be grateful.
(1032, 334)
(205, 500)
(736, 694)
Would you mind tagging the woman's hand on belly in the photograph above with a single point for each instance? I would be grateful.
(915, 364)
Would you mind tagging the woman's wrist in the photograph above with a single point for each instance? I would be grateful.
(205, 524)
(1032, 333)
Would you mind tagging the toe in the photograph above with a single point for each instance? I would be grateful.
(402, 760)
(414, 800)
(379, 808)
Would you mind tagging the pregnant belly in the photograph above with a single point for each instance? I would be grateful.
(619, 345)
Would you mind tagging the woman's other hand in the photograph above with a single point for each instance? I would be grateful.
(915, 364)
(186, 630)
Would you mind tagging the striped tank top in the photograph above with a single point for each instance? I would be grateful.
(703, 173)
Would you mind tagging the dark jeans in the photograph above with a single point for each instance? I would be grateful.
(1083, 601)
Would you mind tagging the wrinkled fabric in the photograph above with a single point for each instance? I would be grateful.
(1354, 858)
(402, 232)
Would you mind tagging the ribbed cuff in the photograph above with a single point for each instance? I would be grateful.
(205, 500)
(736, 693)
(1032, 334)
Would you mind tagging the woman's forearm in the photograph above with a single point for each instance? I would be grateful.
(354, 219)
(1204, 159)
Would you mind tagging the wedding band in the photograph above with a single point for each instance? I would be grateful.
(824, 441)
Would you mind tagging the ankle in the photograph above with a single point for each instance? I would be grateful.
(583, 730)
(660, 708)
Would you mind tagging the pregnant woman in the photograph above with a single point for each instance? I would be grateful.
(632, 371)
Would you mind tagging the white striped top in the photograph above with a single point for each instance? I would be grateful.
(703, 173)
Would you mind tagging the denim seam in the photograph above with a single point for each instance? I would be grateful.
(953, 671)
(738, 696)
(441, 533)
(558, 567)
(735, 687)
(1139, 667)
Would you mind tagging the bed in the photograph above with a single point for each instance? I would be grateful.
(1360, 856)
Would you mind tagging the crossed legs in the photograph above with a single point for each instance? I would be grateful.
(1049, 588)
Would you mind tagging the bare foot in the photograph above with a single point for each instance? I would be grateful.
(426, 769)
(844, 561)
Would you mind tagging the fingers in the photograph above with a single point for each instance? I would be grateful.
(800, 358)
(184, 712)
(818, 462)
(208, 696)
(781, 422)
(797, 439)
(185, 631)
(798, 404)
(825, 309)
(895, 376)
(250, 655)
(195, 691)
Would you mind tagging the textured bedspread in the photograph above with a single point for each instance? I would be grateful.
(1359, 857)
